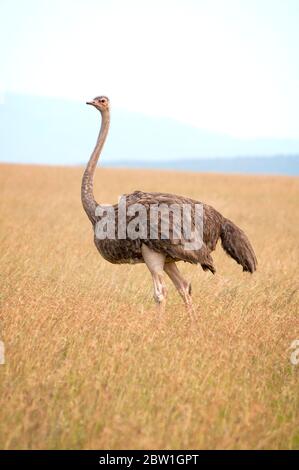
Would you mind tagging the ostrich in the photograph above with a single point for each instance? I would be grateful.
(161, 255)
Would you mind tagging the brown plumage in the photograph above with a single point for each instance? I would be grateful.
(161, 254)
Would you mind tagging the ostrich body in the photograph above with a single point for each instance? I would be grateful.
(160, 255)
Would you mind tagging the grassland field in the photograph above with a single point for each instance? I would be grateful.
(87, 362)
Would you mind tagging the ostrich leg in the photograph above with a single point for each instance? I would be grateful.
(183, 287)
(155, 263)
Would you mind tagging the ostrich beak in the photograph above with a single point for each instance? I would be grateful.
(90, 102)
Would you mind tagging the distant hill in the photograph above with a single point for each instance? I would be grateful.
(279, 165)
(54, 131)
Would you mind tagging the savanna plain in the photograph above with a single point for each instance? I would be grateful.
(89, 363)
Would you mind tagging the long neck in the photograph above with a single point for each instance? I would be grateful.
(88, 201)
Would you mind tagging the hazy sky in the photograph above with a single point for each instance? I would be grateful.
(230, 66)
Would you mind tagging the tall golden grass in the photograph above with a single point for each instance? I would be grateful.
(88, 362)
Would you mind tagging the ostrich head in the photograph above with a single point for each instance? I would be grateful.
(100, 102)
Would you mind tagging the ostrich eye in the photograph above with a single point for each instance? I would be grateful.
(102, 101)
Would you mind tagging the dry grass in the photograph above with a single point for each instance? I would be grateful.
(87, 363)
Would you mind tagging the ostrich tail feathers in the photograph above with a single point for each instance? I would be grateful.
(236, 244)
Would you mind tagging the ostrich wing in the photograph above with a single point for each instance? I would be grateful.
(176, 246)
